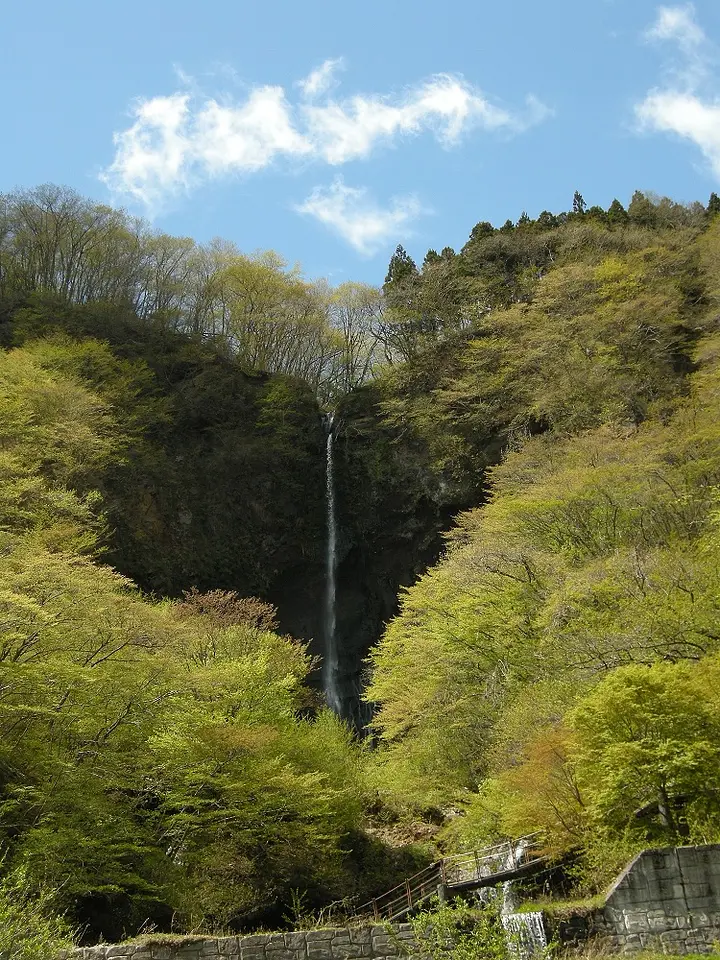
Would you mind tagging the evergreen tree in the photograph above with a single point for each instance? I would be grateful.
(713, 207)
(617, 215)
(597, 213)
(547, 220)
(641, 210)
(579, 205)
(432, 256)
(482, 229)
(401, 267)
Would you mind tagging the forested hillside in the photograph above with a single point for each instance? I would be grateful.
(163, 762)
(550, 395)
(558, 669)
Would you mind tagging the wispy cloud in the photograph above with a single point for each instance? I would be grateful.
(151, 155)
(321, 79)
(678, 24)
(352, 214)
(175, 142)
(687, 105)
(445, 106)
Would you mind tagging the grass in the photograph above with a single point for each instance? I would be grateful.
(561, 908)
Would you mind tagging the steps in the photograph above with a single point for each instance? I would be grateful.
(460, 873)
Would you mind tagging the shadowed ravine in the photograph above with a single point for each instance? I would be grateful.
(330, 662)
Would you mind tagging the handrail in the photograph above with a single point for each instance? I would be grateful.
(450, 872)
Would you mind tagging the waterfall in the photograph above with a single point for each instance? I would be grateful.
(330, 662)
(525, 933)
(513, 859)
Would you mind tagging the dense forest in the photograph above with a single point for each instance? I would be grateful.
(528, 446)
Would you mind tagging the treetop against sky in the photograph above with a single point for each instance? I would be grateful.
(332, 132)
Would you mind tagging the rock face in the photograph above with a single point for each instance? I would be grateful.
(391, 509)
(344, 943)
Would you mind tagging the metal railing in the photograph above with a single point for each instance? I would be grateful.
(459, 870)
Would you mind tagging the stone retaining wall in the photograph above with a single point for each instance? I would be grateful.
(668, 898)
(344, 943)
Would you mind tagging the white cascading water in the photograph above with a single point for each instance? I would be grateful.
(330, 663)
(513, 860)
(525, 932)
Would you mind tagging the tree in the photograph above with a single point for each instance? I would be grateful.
(617, 215)
(647, 741)
(356, 312)
(482, 229)
(642, 210)
(546, 221)
(579, 205)
(401, 269)
(713, 207)
(597, 214)
(432, 256)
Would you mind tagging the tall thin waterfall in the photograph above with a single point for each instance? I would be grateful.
(330, 663)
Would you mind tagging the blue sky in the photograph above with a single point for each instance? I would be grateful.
(332, 131)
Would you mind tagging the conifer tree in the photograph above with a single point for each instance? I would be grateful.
(579, 205)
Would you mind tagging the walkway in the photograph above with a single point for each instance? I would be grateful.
(459, 873)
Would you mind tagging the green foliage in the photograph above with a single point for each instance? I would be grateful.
(154, 759)
(647, 737)
(460, 932)
(158, 759)
(165, 760)
(541, 676)
(29, 928)
(200, 466)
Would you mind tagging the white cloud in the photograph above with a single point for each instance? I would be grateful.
(177, 141)
(685, 115)
(678, 24)
(150, 156)
(246, 138)
(444, 105)
(321, 79)
(687, 106)
(171, 147)
(354, 216)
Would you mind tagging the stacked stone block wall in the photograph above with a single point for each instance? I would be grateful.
(343, 943)
(667, 899)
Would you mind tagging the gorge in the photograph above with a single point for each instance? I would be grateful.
(501, 547)
(330, 659)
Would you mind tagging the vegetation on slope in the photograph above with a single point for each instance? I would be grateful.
(156, 756)
(558, 669)
(164, 761)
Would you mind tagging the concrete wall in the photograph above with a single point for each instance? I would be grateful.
(345, 943)
(668, 897)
